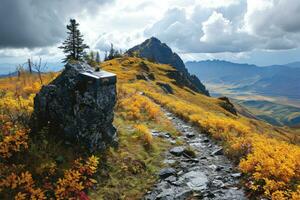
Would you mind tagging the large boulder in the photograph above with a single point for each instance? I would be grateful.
(78, 105)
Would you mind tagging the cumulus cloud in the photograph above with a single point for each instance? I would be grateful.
(235, 26)
(35, 23)
(119, 40)
(211, 27)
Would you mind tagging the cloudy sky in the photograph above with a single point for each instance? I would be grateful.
(261, 32)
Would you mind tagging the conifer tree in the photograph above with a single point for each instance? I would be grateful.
(111, 52)
(105, 56)
(73, 46)
(98, 60)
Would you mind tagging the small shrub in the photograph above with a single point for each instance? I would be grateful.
(144, 135)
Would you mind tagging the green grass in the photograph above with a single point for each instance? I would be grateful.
(130, 170)
(273, 113)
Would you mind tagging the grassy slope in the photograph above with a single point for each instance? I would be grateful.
(130, 170)
(126, 172)
(250, 142)
(127, 69)
(274, 113)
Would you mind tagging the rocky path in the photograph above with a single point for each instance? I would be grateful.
(204, 174)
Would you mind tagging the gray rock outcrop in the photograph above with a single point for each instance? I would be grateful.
(227, 105)
(78, 105)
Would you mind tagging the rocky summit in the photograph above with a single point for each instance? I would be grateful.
(154, 50)
(79, 105)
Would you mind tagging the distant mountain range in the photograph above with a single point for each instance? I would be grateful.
(293, 64)
(275, 80)
(249, 81)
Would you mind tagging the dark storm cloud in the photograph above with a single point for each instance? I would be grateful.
(39, 23)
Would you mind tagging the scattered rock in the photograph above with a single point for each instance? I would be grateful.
(173, 141)
(177, 151)
(155, 133)
(204, 177)
(206, 141)
(219, 168)
(236, 175)
(190, 135)
(166, 172)
(218, 183)
(218, 152)
(170, 162)
(196, 180)
(166, 194)
(166, 135)
(191, 160)
(171, 179)
(209, 194)
(184, 195)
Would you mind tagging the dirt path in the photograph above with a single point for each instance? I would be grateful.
(206, 175)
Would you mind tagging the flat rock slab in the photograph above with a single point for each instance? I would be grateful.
(177, 151)
(195, 180)
(166, 172)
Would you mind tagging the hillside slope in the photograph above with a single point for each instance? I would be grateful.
(274, 113)
(250, 142)
(268, 157)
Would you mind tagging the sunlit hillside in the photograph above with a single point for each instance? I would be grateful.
(269, 157)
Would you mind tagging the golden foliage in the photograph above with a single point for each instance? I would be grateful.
(16, 106)
(144, 135)
(272, 167)
(12, 139)
(77, 179)
(22, 186)
(134, 106)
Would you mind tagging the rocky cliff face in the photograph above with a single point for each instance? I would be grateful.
(154, 50)
(78, 105)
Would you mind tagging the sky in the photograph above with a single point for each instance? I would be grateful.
(262, 32)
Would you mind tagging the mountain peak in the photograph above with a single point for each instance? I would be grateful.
(154, 50)
(154, 39)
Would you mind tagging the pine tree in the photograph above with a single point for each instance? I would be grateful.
(98, 60)
(73, 46)
(105, 56)
(92, 55)
(111, 52)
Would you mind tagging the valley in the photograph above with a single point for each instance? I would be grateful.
(270, 93)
